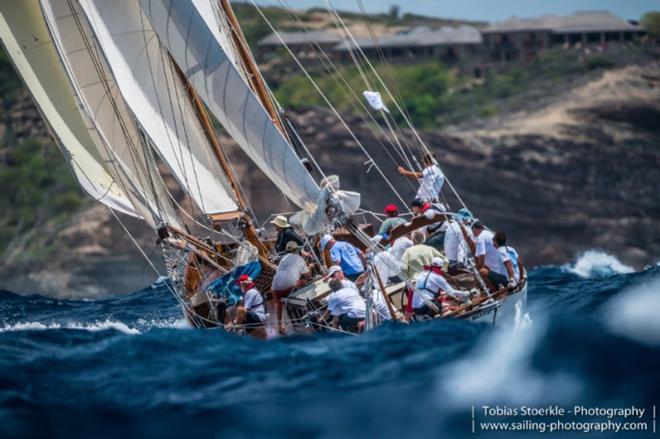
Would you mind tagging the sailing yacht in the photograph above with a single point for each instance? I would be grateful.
(129, 90)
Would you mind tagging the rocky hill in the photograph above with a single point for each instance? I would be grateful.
(579, 169)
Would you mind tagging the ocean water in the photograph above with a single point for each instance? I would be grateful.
(130, 367)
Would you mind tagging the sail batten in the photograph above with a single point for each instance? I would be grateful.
(146, 78)
(207, 66)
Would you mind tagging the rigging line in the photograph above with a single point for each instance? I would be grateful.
(356, 60)
(325, 98)
(340, 80)
(333, 13)
(414, 131)
(381, 54)
(96, 59)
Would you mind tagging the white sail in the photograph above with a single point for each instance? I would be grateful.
(156, 95)
(27, 42)
(121, 147)
(182, 29)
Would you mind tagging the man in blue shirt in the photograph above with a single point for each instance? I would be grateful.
(350, 259)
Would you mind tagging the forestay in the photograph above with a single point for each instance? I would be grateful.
(109, 121)
(26, 39)
(194, 47)
(152, 89)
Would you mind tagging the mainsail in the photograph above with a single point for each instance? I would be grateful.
(123, 150)
(156, 95)
(196, 49)
(25, 36)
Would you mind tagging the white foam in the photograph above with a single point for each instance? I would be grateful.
(597, 264)
(499, 369)
(634, 313)
(93, 326)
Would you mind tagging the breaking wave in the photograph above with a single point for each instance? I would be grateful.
(597, 264)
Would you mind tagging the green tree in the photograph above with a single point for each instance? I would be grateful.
(651, 22)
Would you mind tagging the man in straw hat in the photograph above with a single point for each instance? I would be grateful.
(291, 273)
(285, 234)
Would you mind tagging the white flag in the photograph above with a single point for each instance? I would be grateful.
(374, 99)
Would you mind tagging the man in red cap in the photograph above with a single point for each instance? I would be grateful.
(251, 311)
(393, 220)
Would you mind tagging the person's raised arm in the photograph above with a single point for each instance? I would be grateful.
(406, 173)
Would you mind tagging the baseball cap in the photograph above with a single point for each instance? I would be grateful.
(325, 239)
(437, 262)
(390, 208)
(478, 224)
(243, 278)
(334, 269)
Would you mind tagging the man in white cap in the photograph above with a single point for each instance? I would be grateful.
(345, 305)
(349, 258)
(289, 275)
(431, 287)
(285, 234)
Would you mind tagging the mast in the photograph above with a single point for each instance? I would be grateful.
(254, 75)
(250, 231)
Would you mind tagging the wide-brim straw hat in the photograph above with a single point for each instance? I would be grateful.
(280, 221)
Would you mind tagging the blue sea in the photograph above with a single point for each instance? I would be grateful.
(129, 367)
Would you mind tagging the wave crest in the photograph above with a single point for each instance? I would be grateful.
(92, 326)
(598, 264)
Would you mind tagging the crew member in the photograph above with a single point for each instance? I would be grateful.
(291, 273)
(499, 241)
(431, 288)
(430, 179)
(285, 234)
(495, 267)
(393, 220)
(251, 311)
(348, 257)
(346, 306)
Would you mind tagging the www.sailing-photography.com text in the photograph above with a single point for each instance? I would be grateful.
(556, 419)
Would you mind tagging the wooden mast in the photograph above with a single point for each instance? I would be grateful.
(250, 231)
(254, 76)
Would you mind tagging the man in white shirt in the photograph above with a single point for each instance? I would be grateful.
(345, 305)
(400, 246)
(385, 264)
(251, 312)
(289, 275)
(499, 240)
(456, 247)
(495, 268)
(431, 179)
(430, 285)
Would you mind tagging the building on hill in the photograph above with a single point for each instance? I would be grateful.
(302, 44)
(521, 38)
(446, 44)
